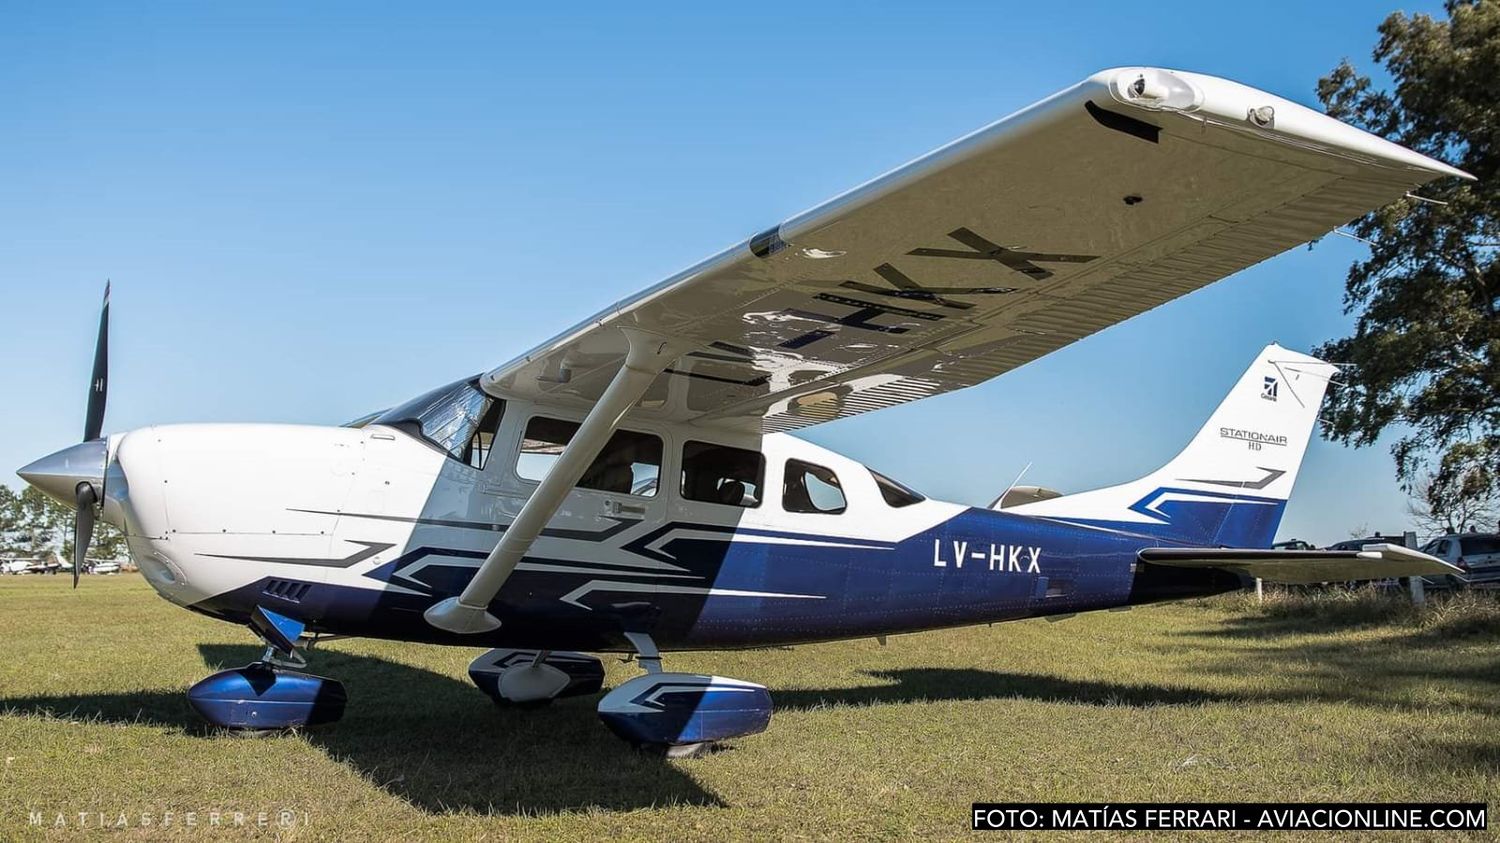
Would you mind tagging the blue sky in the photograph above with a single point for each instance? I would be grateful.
(314, 210)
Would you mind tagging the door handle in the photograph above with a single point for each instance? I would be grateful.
(627, 510)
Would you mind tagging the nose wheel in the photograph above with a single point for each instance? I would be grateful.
(272, 694)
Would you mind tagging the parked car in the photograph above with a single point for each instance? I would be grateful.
(1358, 544)
(1294, 544)
(1477, 554)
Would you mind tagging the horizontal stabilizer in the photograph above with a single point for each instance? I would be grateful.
(1373, 562)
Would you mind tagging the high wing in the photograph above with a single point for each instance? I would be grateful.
(1372, 562)
(1133, 188)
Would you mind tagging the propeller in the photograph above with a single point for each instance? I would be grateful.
(86, 497)
(99, 386)
(74, 476)
(83, 526)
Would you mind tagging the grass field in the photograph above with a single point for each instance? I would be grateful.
(1335, 699)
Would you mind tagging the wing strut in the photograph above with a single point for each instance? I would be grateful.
(468, 613)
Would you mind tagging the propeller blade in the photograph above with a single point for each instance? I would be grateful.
(99, 387)
(83, 527)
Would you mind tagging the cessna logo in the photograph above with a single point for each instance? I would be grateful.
(998, 557)
(897, 284)
(1268, 389)
(1254, 438)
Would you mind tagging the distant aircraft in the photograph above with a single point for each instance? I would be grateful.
(32, 566)
(629, 485)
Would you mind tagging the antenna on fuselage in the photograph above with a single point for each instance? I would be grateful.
(995, 504)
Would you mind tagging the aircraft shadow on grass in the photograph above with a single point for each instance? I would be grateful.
(439, 744)
(1316, 659)
(931, 684)
(1415, 672)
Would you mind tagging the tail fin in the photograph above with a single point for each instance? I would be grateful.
(1230, 485)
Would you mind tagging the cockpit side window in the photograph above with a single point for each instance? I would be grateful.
(482, 442)
(460, 419)
(812, 488)
(629, 464)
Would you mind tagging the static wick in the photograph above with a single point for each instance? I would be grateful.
(1353, 236)
(1425, 199)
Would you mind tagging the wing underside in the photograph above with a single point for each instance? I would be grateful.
(1045, 227)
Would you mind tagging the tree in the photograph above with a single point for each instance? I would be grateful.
(1474, 512)
(108, 543)
(41, 529)
(33, 524)
(1425, 352)
(12, 538)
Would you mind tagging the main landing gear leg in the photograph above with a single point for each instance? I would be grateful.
(646, 654)
(271, 694)
(681, 714)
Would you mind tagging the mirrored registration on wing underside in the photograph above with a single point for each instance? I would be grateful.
(1034, 232)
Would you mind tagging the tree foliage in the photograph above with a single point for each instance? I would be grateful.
(1425, 352)
(1473, 513)
(34, 525)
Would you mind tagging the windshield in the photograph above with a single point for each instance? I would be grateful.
(458, 418)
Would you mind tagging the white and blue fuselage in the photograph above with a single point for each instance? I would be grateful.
(358, 531)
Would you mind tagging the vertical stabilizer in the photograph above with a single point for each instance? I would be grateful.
(1230, 485)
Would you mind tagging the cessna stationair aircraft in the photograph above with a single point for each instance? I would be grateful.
(630, 485)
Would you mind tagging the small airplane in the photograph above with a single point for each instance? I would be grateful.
(630, 486)
(32, 566)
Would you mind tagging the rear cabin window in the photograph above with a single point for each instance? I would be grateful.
(721, 474)
(811, 488)
(895, 494)
(629, 464)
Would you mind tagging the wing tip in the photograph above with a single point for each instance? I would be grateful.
(1163, 89)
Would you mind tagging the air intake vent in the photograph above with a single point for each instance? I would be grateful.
(287, 590)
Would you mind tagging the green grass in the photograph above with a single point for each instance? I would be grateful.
(1334, 698)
